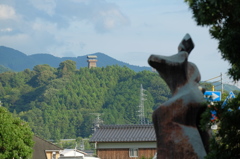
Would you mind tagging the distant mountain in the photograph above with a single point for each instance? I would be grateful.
(227, 87)
(14, 60)
(4, 69)
(18, 61)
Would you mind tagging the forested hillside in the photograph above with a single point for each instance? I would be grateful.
(59, 102)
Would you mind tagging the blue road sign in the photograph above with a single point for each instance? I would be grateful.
(230, 95)
(212, 96)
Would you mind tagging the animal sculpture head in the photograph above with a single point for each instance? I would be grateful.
(175, 69)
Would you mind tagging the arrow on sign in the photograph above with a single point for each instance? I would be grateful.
(214, 96)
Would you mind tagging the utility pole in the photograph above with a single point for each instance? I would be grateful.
(141, 106)
(222, 82)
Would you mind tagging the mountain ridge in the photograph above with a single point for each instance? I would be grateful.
(227, 87)
(18, 61)
(15, 60)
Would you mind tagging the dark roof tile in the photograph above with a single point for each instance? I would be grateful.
(41, 146)
(124, 133)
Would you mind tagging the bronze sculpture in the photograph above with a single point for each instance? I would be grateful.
(176, 121)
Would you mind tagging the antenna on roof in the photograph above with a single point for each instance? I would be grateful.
(141, 106)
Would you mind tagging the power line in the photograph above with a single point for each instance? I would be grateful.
(221, 81)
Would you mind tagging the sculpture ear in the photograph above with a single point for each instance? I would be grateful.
(186, 44)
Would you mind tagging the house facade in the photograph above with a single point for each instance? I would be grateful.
(125, 141)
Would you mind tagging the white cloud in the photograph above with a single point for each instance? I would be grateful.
(6, 12)
(72, 27)
(47, 6)
(110, 19)
(41, 25)
(6, 30)
(16, 42)
(100, 14)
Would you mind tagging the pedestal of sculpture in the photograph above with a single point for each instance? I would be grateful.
(176, 120)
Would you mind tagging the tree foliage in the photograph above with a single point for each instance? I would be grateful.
(225, 140)
(223, 19)
(15, 136)
(206, 85)
(59, 103)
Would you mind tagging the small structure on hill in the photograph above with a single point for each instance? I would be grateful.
(124, 141)
(92, 61)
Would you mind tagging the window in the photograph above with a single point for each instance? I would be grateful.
(133, 152)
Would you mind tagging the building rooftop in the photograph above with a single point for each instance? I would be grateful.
(124, 133)
(72, 152)
(41, 146)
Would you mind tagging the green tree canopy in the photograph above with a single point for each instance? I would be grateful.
(15, 136)
(225, 141)
(58, 103)
(66, 67)
(223, 19)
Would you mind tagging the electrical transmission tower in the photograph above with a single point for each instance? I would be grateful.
(141, 106)
(97, 121)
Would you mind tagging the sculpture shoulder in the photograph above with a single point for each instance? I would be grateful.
(187, 94)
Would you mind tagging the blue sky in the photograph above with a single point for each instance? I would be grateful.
(127, 30)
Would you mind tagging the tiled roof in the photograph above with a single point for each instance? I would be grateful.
(124, 133)
(40, 146)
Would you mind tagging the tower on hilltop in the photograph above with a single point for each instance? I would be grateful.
(92, 61)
